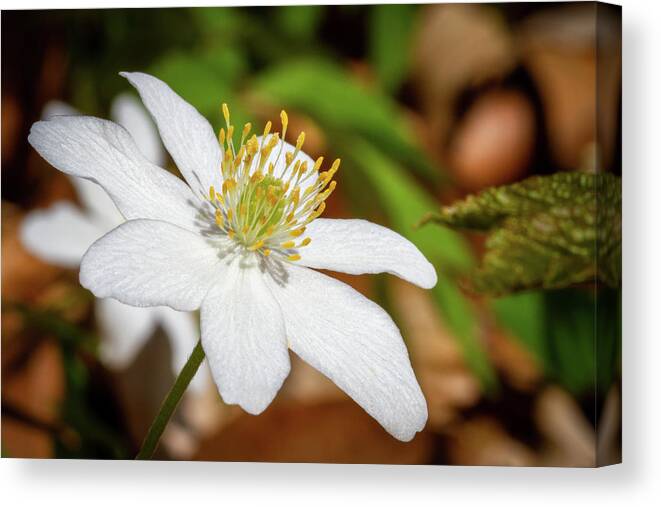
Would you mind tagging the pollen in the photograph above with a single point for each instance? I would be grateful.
(268, 195)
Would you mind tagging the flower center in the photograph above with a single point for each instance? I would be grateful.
(268, 197)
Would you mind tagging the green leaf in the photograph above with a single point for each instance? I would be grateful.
(574, 333)
(390, 30)
(404, 201)
(545, 232)
(570, 338)
(342, 106)
(299, 22)
(523, 315)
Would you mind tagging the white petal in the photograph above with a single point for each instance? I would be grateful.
(353, 342)
(280, 167)
(359, 246)
(124, 331)
(187, 135)
(151, 263)
(182, 332)
(104, 152)
(131, 114)
(243, 336)
(60, 234)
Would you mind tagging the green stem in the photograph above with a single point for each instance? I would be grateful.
(171, 402)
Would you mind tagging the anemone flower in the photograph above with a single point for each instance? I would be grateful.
(62, 233)
(240, 239)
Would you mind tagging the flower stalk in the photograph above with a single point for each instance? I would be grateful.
(170, 403)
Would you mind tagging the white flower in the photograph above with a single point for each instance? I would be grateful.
(62, 234)
(237, 241)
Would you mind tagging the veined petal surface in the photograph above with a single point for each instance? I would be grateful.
(243, 336)
(356, 344)
(152, 263)
(358, 246)
(187, 135)
(103, 152)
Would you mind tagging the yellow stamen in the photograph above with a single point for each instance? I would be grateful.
(293, 257)
(256, 246)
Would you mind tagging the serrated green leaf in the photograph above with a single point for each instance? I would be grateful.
(390, 30)
(545, 232)
(403, 201)
(342, 106)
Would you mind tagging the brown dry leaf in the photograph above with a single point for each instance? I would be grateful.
(446, 382)
(36, 390)
(24, 277)
(514, 361)
(332, 432)
(609, 430)
(12, 122)
(559, 48)
(570, 438)
(483, 441)
(457, 46)
(494, 141)
(307, 385)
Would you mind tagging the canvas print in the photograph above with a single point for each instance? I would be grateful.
(384, 234)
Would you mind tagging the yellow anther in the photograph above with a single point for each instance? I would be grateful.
(297, 232)
(293, 257)
(317, 212)
(305, 242)
(230, 133)
(252, 145)
(289, 156)
(295, 196)
(220, 199)
(267, 128)
(288, 244)
(221, 137)
(335, 167)
(212, 193)
(256, 246)
(266, 252)
(231, 233)
(317, 164)
(226, 112)
(284, 119)
(246, 130)
(300, 140)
